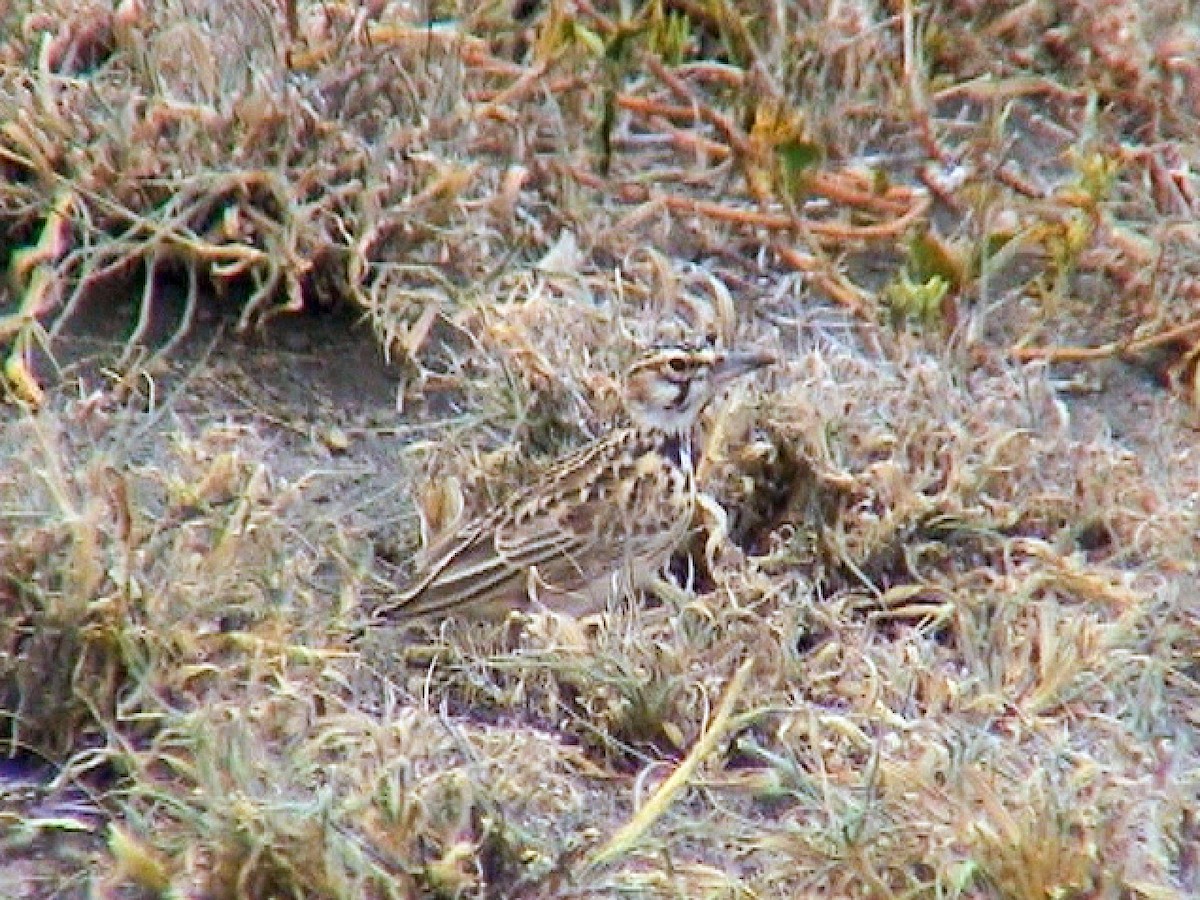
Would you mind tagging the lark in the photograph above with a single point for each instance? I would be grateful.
(603, 519)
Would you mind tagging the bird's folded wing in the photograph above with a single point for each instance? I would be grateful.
(489, 563)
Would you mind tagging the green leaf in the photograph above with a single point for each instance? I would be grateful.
(796, 158)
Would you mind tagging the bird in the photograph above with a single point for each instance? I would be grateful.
(605, 517)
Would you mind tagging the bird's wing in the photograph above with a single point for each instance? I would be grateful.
(487, 563)
(551, 527)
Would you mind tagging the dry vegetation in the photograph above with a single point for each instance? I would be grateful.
(947, 643)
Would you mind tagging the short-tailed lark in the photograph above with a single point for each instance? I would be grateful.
(605, 518)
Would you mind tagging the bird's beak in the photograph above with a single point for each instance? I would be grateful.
(732, 364)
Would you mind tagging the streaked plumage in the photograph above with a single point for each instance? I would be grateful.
(607, 516)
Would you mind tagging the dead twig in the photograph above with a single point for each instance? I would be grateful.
(1107, 351)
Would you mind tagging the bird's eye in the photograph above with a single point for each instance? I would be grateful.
(678, 365)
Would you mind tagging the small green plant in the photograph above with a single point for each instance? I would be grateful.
(933, 274)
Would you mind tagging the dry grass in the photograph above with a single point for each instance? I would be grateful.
(945, 643)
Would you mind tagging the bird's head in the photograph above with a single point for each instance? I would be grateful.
(668, 388)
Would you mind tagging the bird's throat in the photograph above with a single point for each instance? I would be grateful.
(677, 448)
